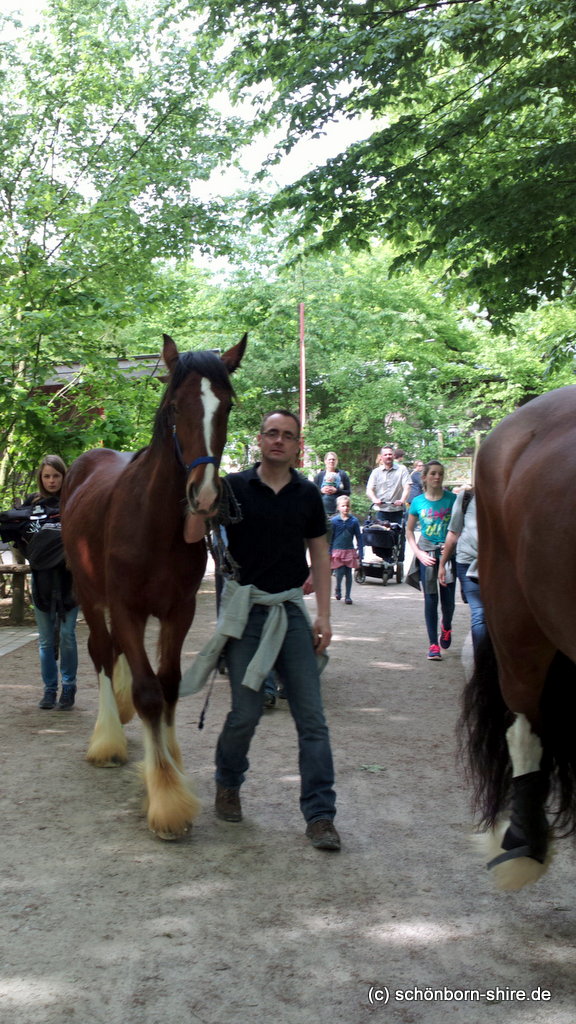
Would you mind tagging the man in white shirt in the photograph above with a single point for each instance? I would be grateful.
(388, 486)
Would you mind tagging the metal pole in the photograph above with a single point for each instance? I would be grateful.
(302, 382)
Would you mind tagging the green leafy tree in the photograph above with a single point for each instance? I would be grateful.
(106, 123)
(387, 359)
(473, 151)
(384, 360)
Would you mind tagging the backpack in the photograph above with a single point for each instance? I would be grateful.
(468, 495)
(45, 549)
(36, 532)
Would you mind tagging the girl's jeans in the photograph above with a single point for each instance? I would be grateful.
(344, 572)
(68, 650)
(447, 604)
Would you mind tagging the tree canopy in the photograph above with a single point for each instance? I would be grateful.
(387, 359)
(466, 184)
(106, 123)
(474, 145)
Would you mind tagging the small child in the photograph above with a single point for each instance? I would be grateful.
(343, 557)
(331, 478)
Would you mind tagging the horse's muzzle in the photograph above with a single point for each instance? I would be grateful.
(204, 500)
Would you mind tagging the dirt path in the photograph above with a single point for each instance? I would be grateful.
(104, 924)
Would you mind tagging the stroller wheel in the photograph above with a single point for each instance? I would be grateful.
(385, 578)
(360, 575)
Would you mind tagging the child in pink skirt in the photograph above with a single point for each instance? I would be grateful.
(343, 556)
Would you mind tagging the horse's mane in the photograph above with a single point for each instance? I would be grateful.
(206, 364)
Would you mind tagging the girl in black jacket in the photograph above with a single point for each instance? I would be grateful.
(55, 607)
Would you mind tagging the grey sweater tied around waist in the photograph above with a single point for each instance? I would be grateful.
(237, 602)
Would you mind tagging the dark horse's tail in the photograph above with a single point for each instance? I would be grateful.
(484, 750)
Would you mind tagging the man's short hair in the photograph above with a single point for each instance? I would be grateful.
(281, 412)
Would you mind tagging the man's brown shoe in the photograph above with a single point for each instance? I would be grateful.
(227, 804)
(323, 835)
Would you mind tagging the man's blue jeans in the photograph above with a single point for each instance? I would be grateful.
(299, 673)
(471, 592)
(68, 650)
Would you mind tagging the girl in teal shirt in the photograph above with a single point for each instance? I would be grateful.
(430, 512)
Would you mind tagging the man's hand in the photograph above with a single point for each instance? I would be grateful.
(308, 585)
(322, 634)
(194, 527)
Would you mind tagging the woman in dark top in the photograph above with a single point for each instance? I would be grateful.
(332, 483)
(55, 607)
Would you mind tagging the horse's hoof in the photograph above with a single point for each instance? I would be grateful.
(111, 762)
(171, 837)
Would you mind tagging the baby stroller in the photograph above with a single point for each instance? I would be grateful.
(386, 541)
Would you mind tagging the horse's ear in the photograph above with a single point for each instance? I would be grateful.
(169, 352)
(233, 357)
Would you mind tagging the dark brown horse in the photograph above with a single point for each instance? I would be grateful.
(519, 716)
(123, 519)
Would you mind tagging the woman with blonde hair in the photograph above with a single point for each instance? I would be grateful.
(332, 483)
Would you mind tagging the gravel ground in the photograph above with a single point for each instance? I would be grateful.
(102, 923)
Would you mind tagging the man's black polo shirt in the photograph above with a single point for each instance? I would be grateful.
(269, 543)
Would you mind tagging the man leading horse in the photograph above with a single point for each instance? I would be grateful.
(263, 622)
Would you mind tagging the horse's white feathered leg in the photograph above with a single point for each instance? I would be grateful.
(108, 746)
(122, 686)
(172, 806)
(510, 871)
(524, 747)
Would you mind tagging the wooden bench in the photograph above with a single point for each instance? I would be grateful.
(17, 573)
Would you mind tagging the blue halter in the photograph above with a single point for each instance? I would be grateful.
(202, 460)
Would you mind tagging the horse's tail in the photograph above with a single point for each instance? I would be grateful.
(482, 736)
(558, 735)
(482, 728)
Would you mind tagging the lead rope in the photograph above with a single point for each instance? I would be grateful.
(202, 718)
(225, 565)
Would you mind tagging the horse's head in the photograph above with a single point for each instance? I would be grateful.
(196, 407)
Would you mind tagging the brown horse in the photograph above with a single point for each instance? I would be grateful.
(519, 719)
(123, 529)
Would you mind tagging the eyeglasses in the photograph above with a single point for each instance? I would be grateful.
(273, 435)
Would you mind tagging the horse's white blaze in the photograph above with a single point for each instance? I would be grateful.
(210, 403)
(108, 744)
(208, 491)
(524, 747)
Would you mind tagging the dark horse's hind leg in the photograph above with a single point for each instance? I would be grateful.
(524, 655)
